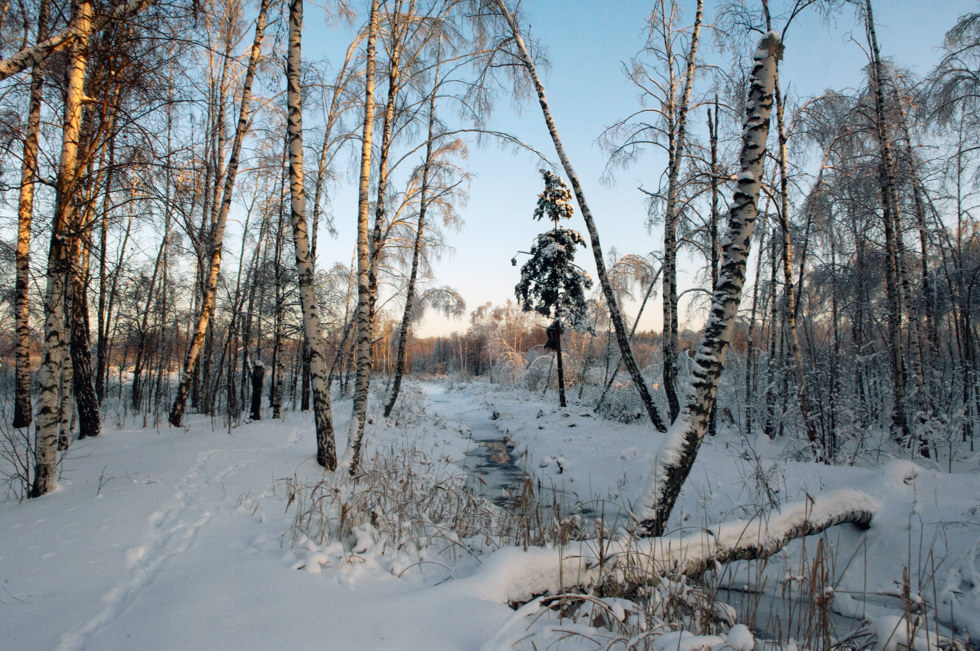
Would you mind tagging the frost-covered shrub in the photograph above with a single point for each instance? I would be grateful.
(539, 368)
(622, 404)
(404, 509)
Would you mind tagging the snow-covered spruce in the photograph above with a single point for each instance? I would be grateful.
(612, 304)
(680, 447)
(551, 283)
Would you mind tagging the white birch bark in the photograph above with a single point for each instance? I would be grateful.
(55, 357)
(326, 454)
(362, 317)
(680, 447)
(419, 240)
(672, 217)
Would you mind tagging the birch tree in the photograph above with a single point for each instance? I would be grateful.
(362, 316)
(680, 447)
(326, 454)
(25, 214)
(424, 199)
(890, 215)
(55, 360)
(216, 238)
(677, 133)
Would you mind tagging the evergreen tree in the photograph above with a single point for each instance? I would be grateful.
(551, 283)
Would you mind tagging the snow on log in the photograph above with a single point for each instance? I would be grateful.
(512, 575)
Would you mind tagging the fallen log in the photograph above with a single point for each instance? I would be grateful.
(513, 575)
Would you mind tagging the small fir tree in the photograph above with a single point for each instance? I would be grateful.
(551, 283)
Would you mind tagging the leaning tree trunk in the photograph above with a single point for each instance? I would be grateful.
(25, 213)
(218, 230)
(622, 336)
(55, 356)
(326, 454)
(680, 448)
(417, 252)
(363, 317)
(671, 218)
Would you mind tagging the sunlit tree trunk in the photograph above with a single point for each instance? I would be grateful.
(25, 214)
(55, 358)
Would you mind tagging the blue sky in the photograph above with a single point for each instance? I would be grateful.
(586, 43)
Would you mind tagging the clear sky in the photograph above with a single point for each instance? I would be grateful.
(586, 43)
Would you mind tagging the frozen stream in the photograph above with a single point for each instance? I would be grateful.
(496, 473)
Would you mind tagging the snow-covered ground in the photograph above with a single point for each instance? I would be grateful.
(185, 539)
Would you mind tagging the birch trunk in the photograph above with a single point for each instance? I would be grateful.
(679, 450)
(55, 357)
(622, 336)
(671, 218)
(326, 454)
(802, 390)
(713, 237)
(890, 209)
(218, 230)
(363, 317)
(417, 251)
(25, 214)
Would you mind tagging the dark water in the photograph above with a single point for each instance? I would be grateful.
(781, 619)
(496, 473)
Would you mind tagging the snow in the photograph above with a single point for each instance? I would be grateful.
(181, 538)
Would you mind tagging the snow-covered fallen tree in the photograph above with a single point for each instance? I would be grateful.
(513, 575)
